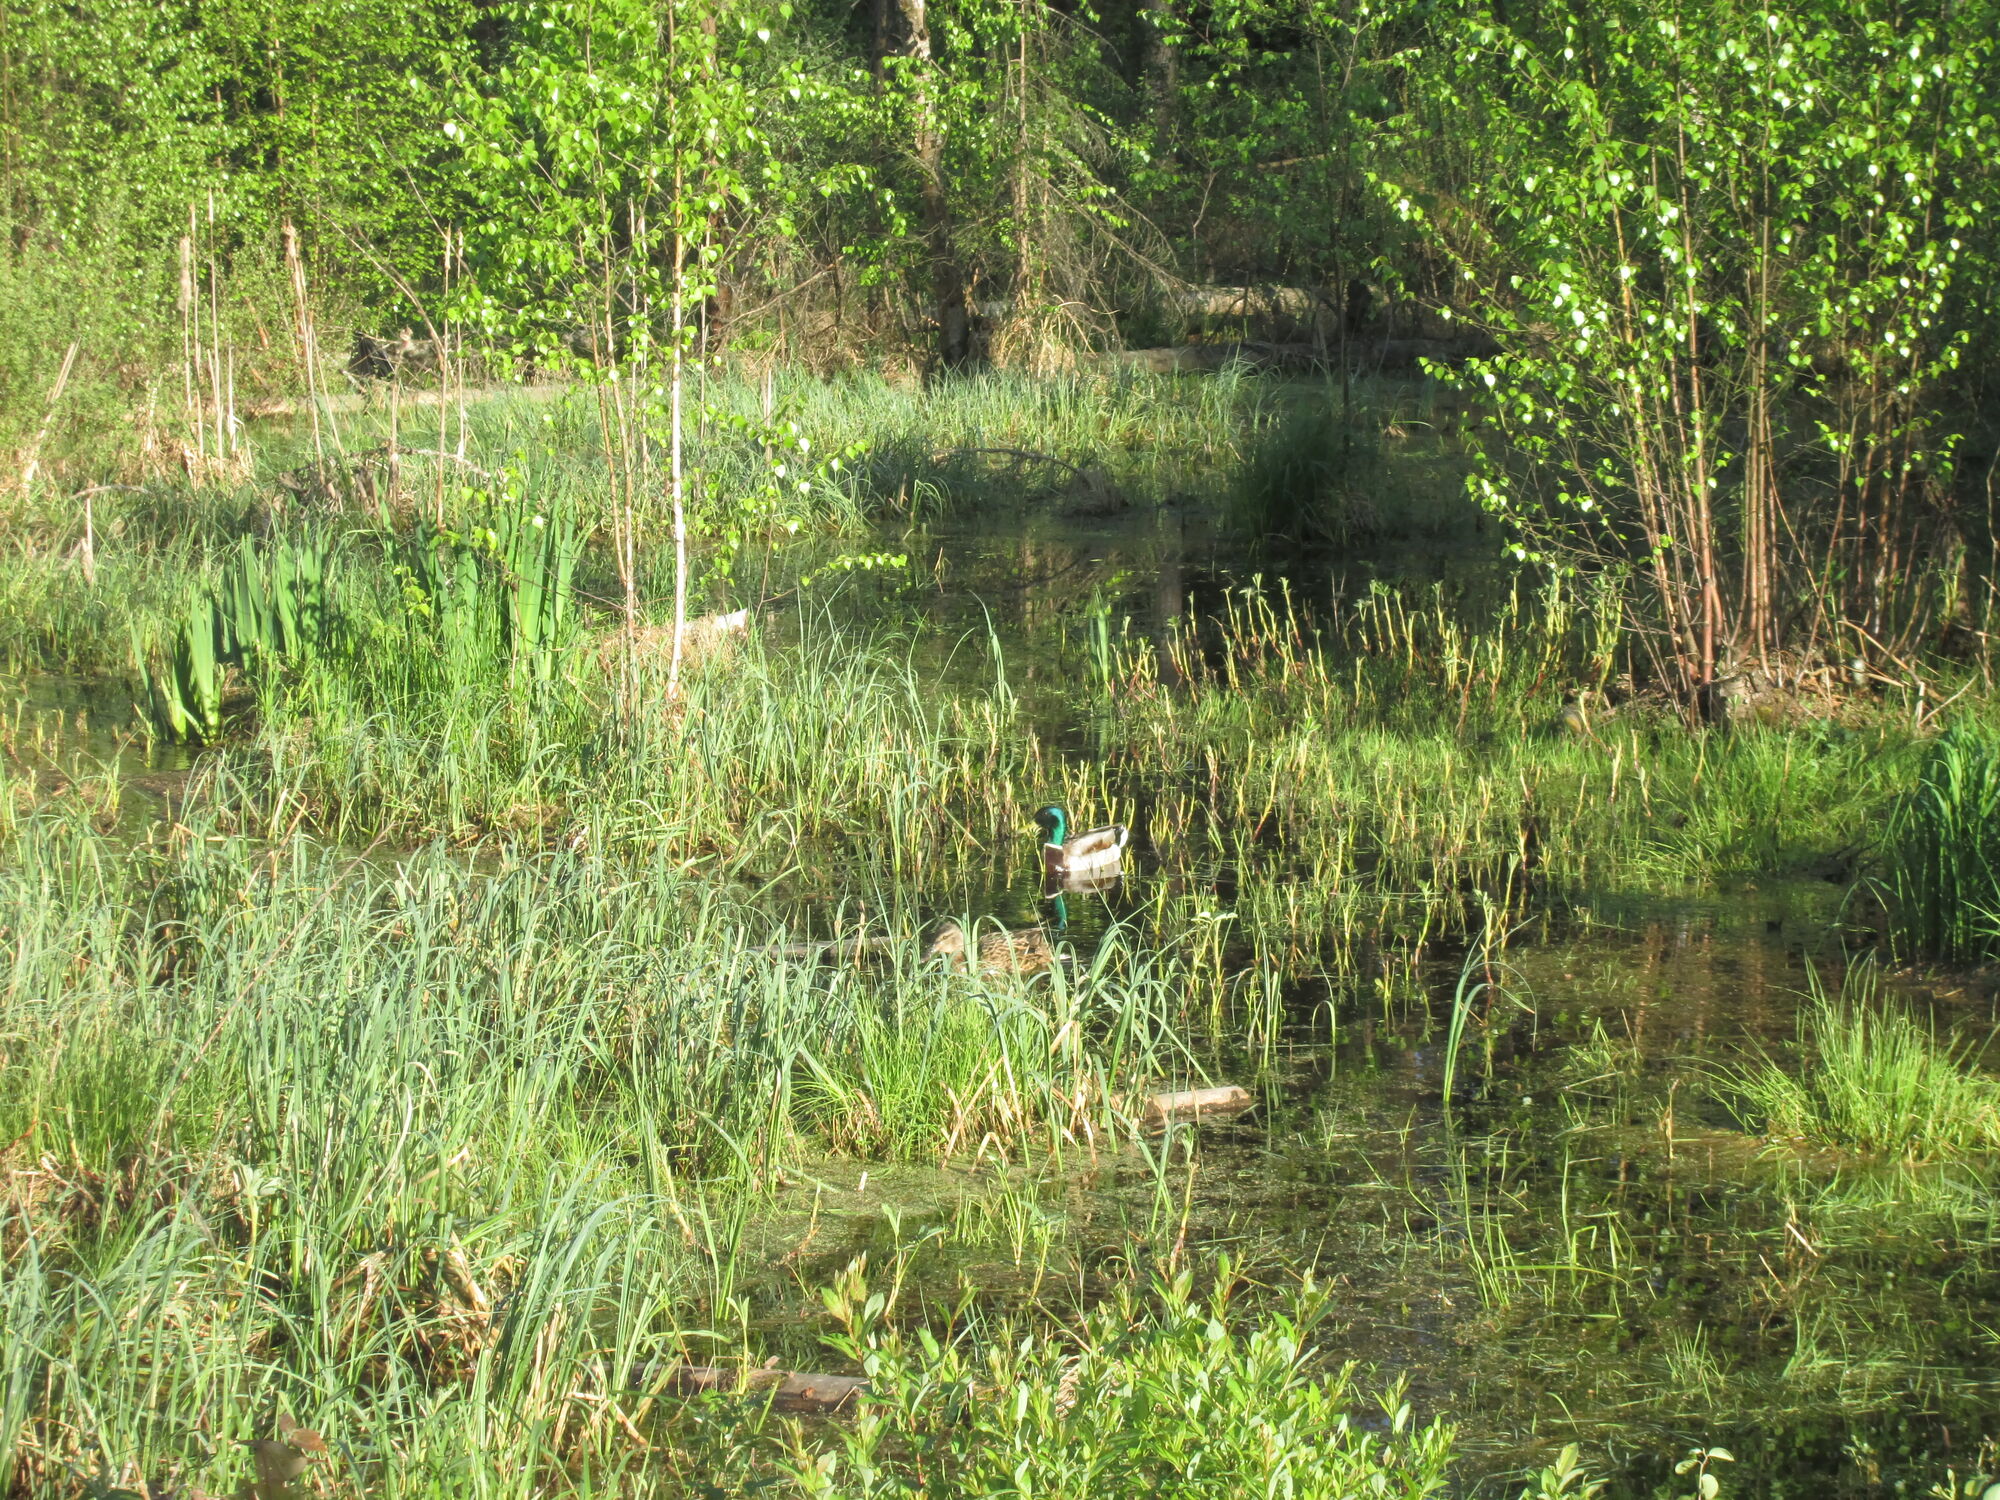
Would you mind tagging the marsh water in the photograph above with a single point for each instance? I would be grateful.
(1575, 1242)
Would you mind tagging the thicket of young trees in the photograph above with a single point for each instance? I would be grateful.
(1737, 259)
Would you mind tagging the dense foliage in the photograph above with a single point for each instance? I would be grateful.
(1726, 265)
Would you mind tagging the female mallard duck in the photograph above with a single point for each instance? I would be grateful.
(1092, 857)
(1000, 951)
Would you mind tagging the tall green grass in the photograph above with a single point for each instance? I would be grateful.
(1402, 753)
(1872, 1078)
(1943, 850)
(1382, 765)
(1309, 478)
(435, 1157)
(783, 455)
(1380, 761)
(1389, 767)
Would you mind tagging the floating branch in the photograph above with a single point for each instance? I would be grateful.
(787, 1390)
(1192, 1104)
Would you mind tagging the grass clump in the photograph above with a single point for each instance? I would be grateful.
(1944, 850)
(1310, 479)
(1876, 1080)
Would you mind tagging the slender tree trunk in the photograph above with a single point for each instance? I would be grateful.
(1024, 260)
(1159, 68)
(1691, 421)
(676, 475)
(880, 11)
(954, 346)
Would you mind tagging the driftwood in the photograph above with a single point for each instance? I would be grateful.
(1365, 353)
(787, 1390)
(1193, 1104)
(702, 637)
(1211, 302)
(836, 946)
(290, 406)
(1250, 301)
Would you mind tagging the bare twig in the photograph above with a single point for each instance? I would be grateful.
(1018, 454)
(32, 465)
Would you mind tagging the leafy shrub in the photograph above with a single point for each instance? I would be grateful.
(1178, 1398)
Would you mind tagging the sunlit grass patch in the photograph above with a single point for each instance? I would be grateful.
(1871, 1078)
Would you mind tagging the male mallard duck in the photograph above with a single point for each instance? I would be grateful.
(1089, 858)
(1000, 951)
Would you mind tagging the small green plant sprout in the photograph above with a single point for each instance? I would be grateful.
(1980, 1483)
(1706, 1485)
(1566, 1479)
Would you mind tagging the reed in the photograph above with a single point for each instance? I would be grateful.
(1310, 479)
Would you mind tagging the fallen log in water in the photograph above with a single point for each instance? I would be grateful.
(1384, 355)
(787, 1390)
(1192, 1104)
(346, 401)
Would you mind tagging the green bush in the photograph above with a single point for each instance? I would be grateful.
(1180, 1398)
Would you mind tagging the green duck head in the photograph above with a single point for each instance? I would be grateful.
(1054, 823)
